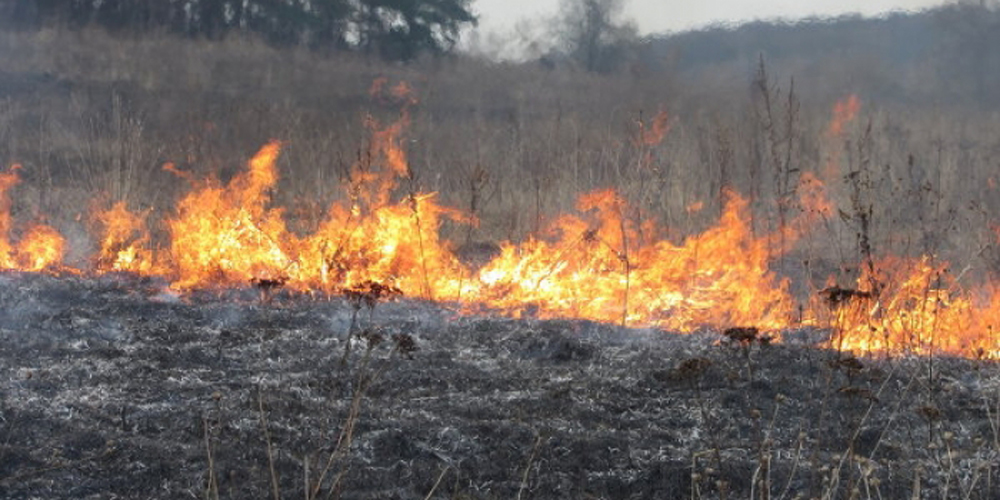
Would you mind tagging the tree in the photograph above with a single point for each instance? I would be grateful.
(401, 29)
(591, 32)
(973, 29)
(395, 29)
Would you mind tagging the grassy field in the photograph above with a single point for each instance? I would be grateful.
(93, 120)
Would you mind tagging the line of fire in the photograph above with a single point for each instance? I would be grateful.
(596, 264)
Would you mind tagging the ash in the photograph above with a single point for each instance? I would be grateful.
(113, 388)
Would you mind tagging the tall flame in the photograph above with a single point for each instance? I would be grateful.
(227, 235)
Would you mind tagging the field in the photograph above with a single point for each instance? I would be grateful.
(647, 284)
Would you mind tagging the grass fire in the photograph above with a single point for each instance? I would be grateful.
(310, 252)
(599, 264)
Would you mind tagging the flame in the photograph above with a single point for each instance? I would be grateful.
(693, 208)
(124, 246)
(604, 271)
(844, 112)
(653, 134)
(41, 246)
(598, 263)
(396, 243)
(917, 308)
(227, 235)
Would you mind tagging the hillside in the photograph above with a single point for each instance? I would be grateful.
(942, 55)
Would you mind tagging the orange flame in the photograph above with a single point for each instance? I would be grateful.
(39, 249)
(920, 309)
(124, 247)
(844, 111)
(654, 133)
(605, 272)
(598, 264)
(226, 235)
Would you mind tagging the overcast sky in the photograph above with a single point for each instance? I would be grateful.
(657, 16)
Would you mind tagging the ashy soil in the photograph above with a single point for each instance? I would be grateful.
(114, 388)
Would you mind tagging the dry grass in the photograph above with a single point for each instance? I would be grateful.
(91, 117)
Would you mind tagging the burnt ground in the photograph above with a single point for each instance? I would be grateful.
(113, 389)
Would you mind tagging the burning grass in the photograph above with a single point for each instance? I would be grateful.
(610, 260)
(598, 264)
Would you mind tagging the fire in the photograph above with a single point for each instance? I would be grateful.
(227, 235)
(844, 111)
(653, 133)
(599, 264)
(605, 271)
(41, 246)
(396, 243)
(230, 236)
(124, 246)
(916, 306)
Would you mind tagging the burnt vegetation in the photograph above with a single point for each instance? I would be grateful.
(113, 393)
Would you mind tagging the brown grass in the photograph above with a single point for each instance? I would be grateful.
(91, 116)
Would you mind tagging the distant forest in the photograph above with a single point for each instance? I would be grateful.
(394, 29)
(945, 54)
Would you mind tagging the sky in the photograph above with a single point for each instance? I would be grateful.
(659, 16)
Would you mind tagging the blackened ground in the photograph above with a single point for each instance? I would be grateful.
(114, 389)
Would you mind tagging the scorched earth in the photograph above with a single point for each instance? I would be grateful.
(115, 389)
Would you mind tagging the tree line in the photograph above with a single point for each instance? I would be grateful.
(394, 29)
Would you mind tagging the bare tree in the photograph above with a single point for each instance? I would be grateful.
(973, 27)
(593, 34)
